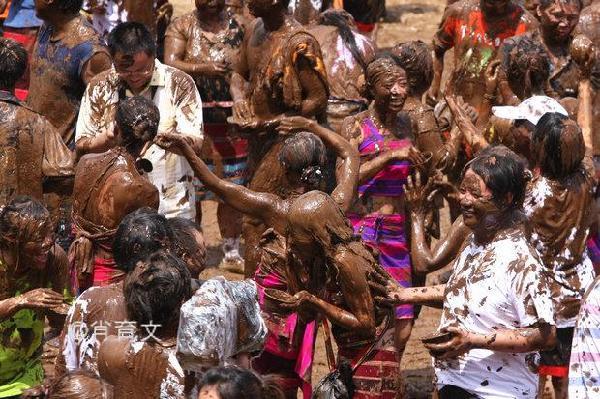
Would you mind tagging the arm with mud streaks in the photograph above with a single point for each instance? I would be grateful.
(314, 88)
(263, 206)
(175, 44)
(99, 62)
(583, 52)
(519, 340)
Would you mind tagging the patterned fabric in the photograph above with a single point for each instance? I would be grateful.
(22, 15)
(500, 285)
(377, 376)
(593, 249)
(584, 375)
(386, 234)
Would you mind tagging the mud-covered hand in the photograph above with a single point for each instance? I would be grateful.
(173, 142)
(302, 301)
(491, 77)
(212, 68)
(460, 343)
(291, 124)
(462, 120)
(417, 194)
(242, 110)
(385, 290)
(583, 53)
(40, 298)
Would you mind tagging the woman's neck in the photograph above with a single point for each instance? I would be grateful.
(383, 116)
(486, 233)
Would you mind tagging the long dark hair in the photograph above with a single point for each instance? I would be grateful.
(342, 20)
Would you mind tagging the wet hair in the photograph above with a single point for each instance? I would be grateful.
(342, 20)
(184, 242)
(140, 233)
(79, 385)
(70, 6)
(547, 3)
(130, 38)
(416, 60)
(377, 68)
(504, 173)
(558, 145)
(137, 119)
(305, 154)
(13, 62)
(155, 290)
(20, 219)
(528, 64)
(240, 383)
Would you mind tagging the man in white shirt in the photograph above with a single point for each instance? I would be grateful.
(137, 72)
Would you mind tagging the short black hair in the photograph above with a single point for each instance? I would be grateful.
(130, 38)
(155, 290)
(19, 218)
(503, 172)
(13, 62)
(239, 383)
(140, 233)
(416, 60)
(527, 59)
(137, 119)
(183, 232)
(558, 145)
(547, 3)
(70, 6)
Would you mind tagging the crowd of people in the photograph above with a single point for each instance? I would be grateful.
(344, 174)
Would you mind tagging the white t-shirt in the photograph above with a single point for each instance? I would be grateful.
(500, 285)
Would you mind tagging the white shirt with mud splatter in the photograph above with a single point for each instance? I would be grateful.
(584, 373)
(500, 285)
(180, 107)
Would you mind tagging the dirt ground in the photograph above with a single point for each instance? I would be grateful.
(405, 20)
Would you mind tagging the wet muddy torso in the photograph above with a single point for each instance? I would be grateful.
(21, 152)
(560, 215)
(108, 187)
(210, 45)
(56, 85)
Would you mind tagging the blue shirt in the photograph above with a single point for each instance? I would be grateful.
(22, 15)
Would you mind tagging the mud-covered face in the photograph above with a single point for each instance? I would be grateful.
(559, 18)
(390, 89)
(135, 71)
(195, 261)
(209, 392)
(495, 7)
(211, 6)
(476, 200)
(36, 249)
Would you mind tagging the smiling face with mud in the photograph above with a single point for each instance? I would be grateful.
(476, 200)
(558, 18)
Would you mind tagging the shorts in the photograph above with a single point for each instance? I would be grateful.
(555, 362)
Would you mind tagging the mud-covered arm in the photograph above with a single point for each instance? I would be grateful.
(97, 63)
(241, 72)
(315, 89)
(58, 159)
(582, 51)
(264, 206)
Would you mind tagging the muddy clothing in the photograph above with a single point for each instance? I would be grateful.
(585, 354)
(97, 313)
(589, 21)
(107, 14)
(56, 74)
(560, 214)
(500, 285)
(30, 149)
(476, 42)
(21, 334)
(564, 75)
(176, 96)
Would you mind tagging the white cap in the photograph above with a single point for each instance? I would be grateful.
(531, 109)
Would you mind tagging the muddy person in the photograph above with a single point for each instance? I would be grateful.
(558, 19)
(67, 55)
(292, 80)
(34, 281)
(237, 383)
(489, 353)
(109, 186)
(206, 44)
(290, 344)
(136, 72)
(32, 147)
(475, 29)
(346, 54)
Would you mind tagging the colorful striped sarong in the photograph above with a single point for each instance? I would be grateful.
(378, 377)
(386, 234)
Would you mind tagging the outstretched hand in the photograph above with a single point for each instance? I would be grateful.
(418, 194)
(292, 124)
(583, 53)
(41, 298)
(386, 291)
(462, 119)
(491, 77)
(460, 343)
(172, 142)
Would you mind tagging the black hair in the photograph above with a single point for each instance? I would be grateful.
(70, 6)
(527, 64)
(155, 290)
(130, 38)
(504, 173)
(20, 218)
(137, 119)
(342, 20)
(416, 60)
(305, 154)
(547, 3)
(553, 133)
(185, 243)
(13, 62)
(139, 234)
(79, 384)
(240, 383)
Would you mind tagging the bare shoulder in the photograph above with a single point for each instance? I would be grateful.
(351, 126)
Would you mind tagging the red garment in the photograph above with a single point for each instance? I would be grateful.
(26, 37)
